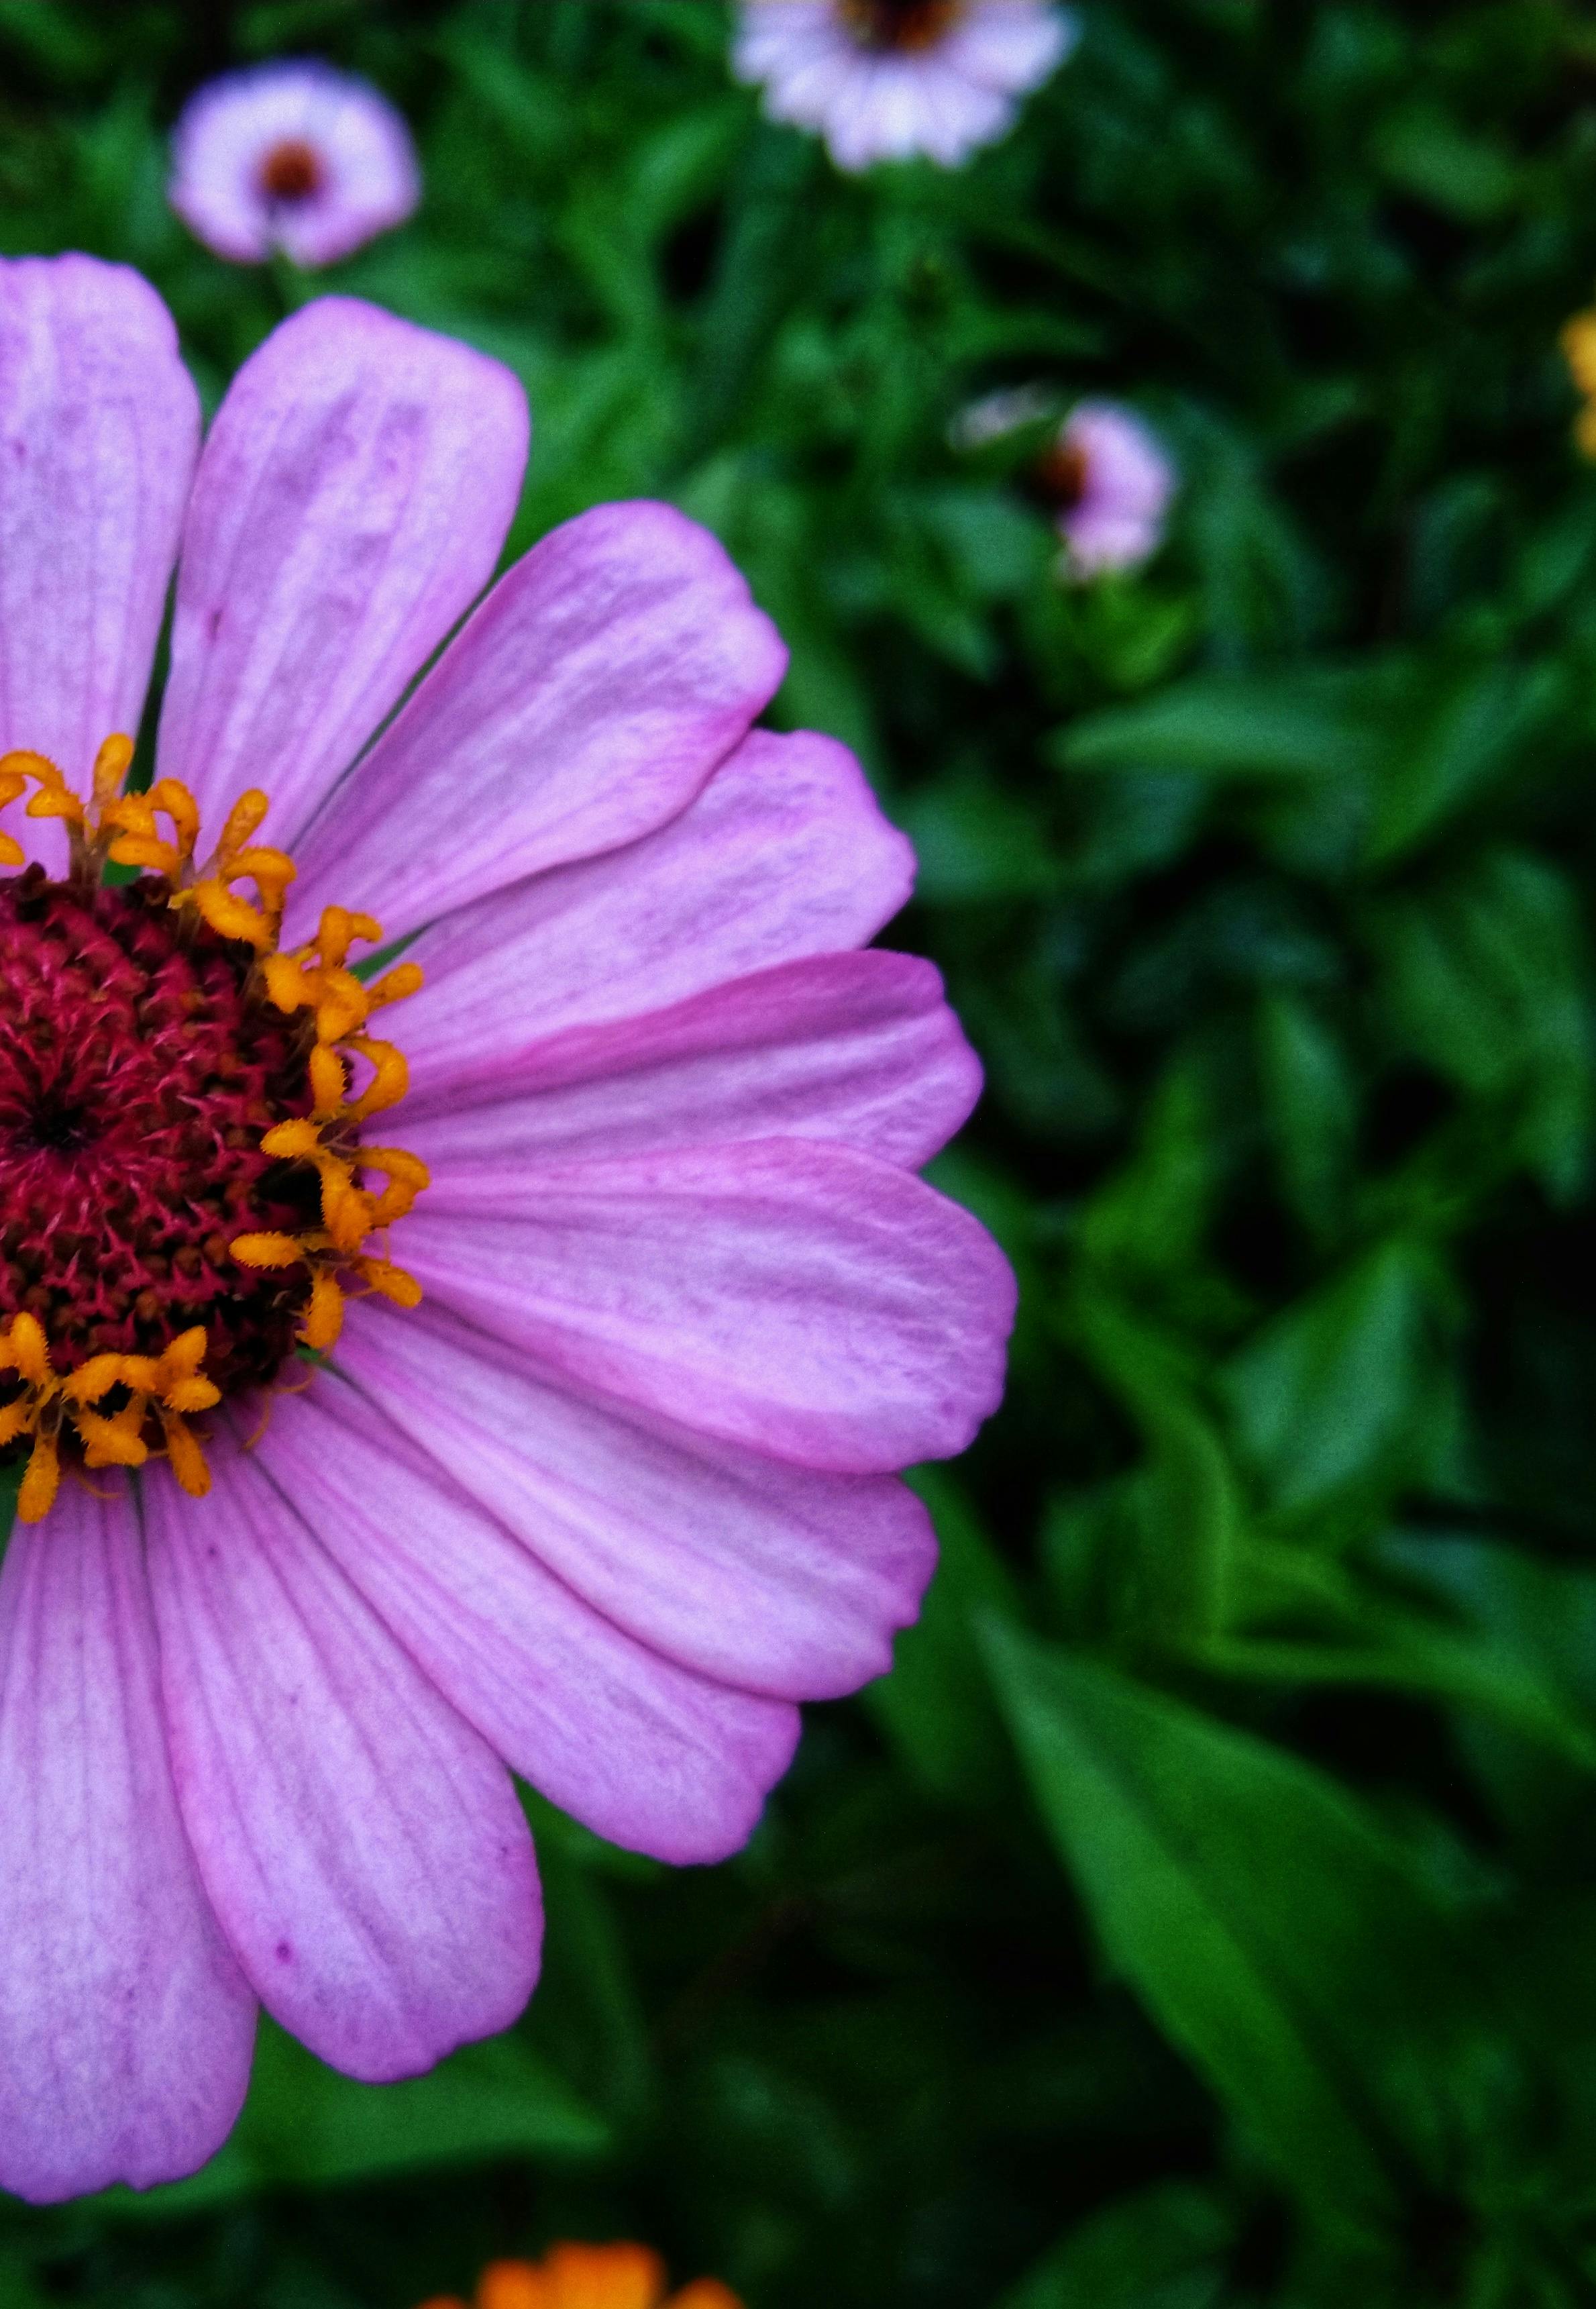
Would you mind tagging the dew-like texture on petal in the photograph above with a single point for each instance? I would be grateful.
(99, 427)
(351, 502)
(346, 142)
(1127, 483)
(125, 2026)
(778, 1579)
(812, 1303)
(784, 854)
(858, 1048)
(361, 1844)
(944, 100)
(646, 1752)
(585, 703)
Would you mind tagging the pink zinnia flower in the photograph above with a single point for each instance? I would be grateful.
(882, 80)
(295, 157)
(1112, 483)
(620, 1489)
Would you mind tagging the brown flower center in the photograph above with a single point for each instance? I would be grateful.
(292, 171)
(904, 26)
(1061, 475)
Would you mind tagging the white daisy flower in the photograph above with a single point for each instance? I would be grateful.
(883, 80)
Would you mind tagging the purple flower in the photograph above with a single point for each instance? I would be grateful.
(295, 157)
(1112, 484)
(882, 80)
(620, 1489)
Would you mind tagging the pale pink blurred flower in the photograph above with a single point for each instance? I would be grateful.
(295, 157)
(883, 80)
(996, 415)
(1111, 482)
(621, 1489)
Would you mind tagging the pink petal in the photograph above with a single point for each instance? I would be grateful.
(125, 2027)
(98, 430)
(774, 1577)
(586, 702)
(816, 1303)
(362, 1847)
(856, 1046)
(350, 504)
(647, 1753)
(784, 854)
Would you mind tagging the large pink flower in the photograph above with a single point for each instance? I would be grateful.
(621, 1490)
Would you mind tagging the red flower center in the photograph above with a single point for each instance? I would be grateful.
(292, 171)
(904, 25)
(139, 1066)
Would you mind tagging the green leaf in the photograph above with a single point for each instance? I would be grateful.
(1184, 1507)
(1429, 154)
(18, 2290)
(1486, 978)
(1152, 1212)
(936, 1707)
(1161, 2248)
(1340, 1400)
(1311, 1107)
(1273, 1931)
(1313, 723)
(1363, 1635)
(1479, 727)
(976, 842)
(306, 2125)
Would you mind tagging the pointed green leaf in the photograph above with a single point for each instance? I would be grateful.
(1272, 1929)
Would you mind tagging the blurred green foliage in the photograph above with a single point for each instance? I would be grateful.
(1203, 1914)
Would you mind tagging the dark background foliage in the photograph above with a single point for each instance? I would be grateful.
(1204, 1911)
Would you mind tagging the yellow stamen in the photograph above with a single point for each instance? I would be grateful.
(390, 1079)
(172, 1386)
(329, 1081)
(13, 785)
(267, 1249)
(187, 1459)
(405, 978)
(111, 766)
(24, 1351)
(244, 822)
(41, 1483)
(324, 1318)
(55, 798)
(390, 1282)
(114, 1442)
(139, 843)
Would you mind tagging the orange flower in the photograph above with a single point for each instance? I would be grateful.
(589, 2277)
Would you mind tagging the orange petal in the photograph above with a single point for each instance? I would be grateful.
(604, 2277)
(513, 2285)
